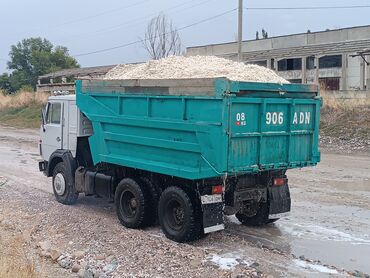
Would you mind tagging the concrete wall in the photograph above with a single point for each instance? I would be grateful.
(291, 74)
(348, 34)
(353, 73)
(349, 94)
(298, 40)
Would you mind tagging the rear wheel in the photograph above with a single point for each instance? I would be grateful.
(179, 215)
(132, 204)
(259, 219)
(152, 195)
(63, 185)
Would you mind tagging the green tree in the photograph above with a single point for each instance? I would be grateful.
(5, 83)
(33, 57)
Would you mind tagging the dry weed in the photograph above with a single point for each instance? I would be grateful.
(345, 118)
(22, 99)
(10, 268)
(13, 263)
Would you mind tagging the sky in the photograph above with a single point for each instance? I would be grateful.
(87, 26)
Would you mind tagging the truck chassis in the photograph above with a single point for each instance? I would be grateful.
(185, 209)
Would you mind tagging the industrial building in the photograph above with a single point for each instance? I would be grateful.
(338, 60)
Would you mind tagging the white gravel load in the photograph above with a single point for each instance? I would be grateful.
(180, 67)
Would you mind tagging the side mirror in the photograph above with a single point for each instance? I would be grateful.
(43, 117)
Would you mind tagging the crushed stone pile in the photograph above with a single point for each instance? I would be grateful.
(180, 67)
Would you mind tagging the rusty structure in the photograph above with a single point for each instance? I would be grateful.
(63, 81)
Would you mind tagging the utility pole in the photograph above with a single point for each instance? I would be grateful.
(240, 30)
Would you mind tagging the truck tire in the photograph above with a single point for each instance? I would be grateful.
(63, 185)
(132, 204)
(152, 195)
(179, 215)
(260, 219)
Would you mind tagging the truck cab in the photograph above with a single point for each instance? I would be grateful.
(62, 125)
(64, 133)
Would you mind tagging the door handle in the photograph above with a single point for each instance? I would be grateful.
(58, 139)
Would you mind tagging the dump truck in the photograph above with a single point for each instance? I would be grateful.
(183, 153)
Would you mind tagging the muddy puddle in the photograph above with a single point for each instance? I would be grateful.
(327, 243)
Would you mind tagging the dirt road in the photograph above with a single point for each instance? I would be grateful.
(327, 232)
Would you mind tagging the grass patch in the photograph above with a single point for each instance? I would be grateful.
(22, 117)
(22, 110)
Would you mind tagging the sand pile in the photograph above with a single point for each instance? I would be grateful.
(180, 67)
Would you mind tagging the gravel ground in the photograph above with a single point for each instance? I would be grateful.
(346, 144)
(326, 234)
(89, 237)
(86, 238)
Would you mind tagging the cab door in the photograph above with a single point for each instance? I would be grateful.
(52, 130)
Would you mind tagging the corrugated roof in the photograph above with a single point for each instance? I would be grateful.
(78, 72)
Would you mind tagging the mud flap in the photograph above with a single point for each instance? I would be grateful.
(279, 199)
(213, 213)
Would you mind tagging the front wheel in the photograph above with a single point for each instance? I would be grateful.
(179, 215)
(63, 185)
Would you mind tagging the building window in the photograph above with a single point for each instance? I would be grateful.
(295, 81)
(290, 64)
(332, 61)
(329, 83)
(310, 62)
(262, 63)
(273, 64)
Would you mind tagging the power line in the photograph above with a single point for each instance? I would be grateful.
(308, 8)
(137, 20)
(94, 15)
(103, 13)
(139, 41)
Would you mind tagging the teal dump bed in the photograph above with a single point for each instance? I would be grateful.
(201, 128)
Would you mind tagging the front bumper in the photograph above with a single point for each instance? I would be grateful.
(43, 166)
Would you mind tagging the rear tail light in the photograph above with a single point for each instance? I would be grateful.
(279, 181)
(217, 189)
